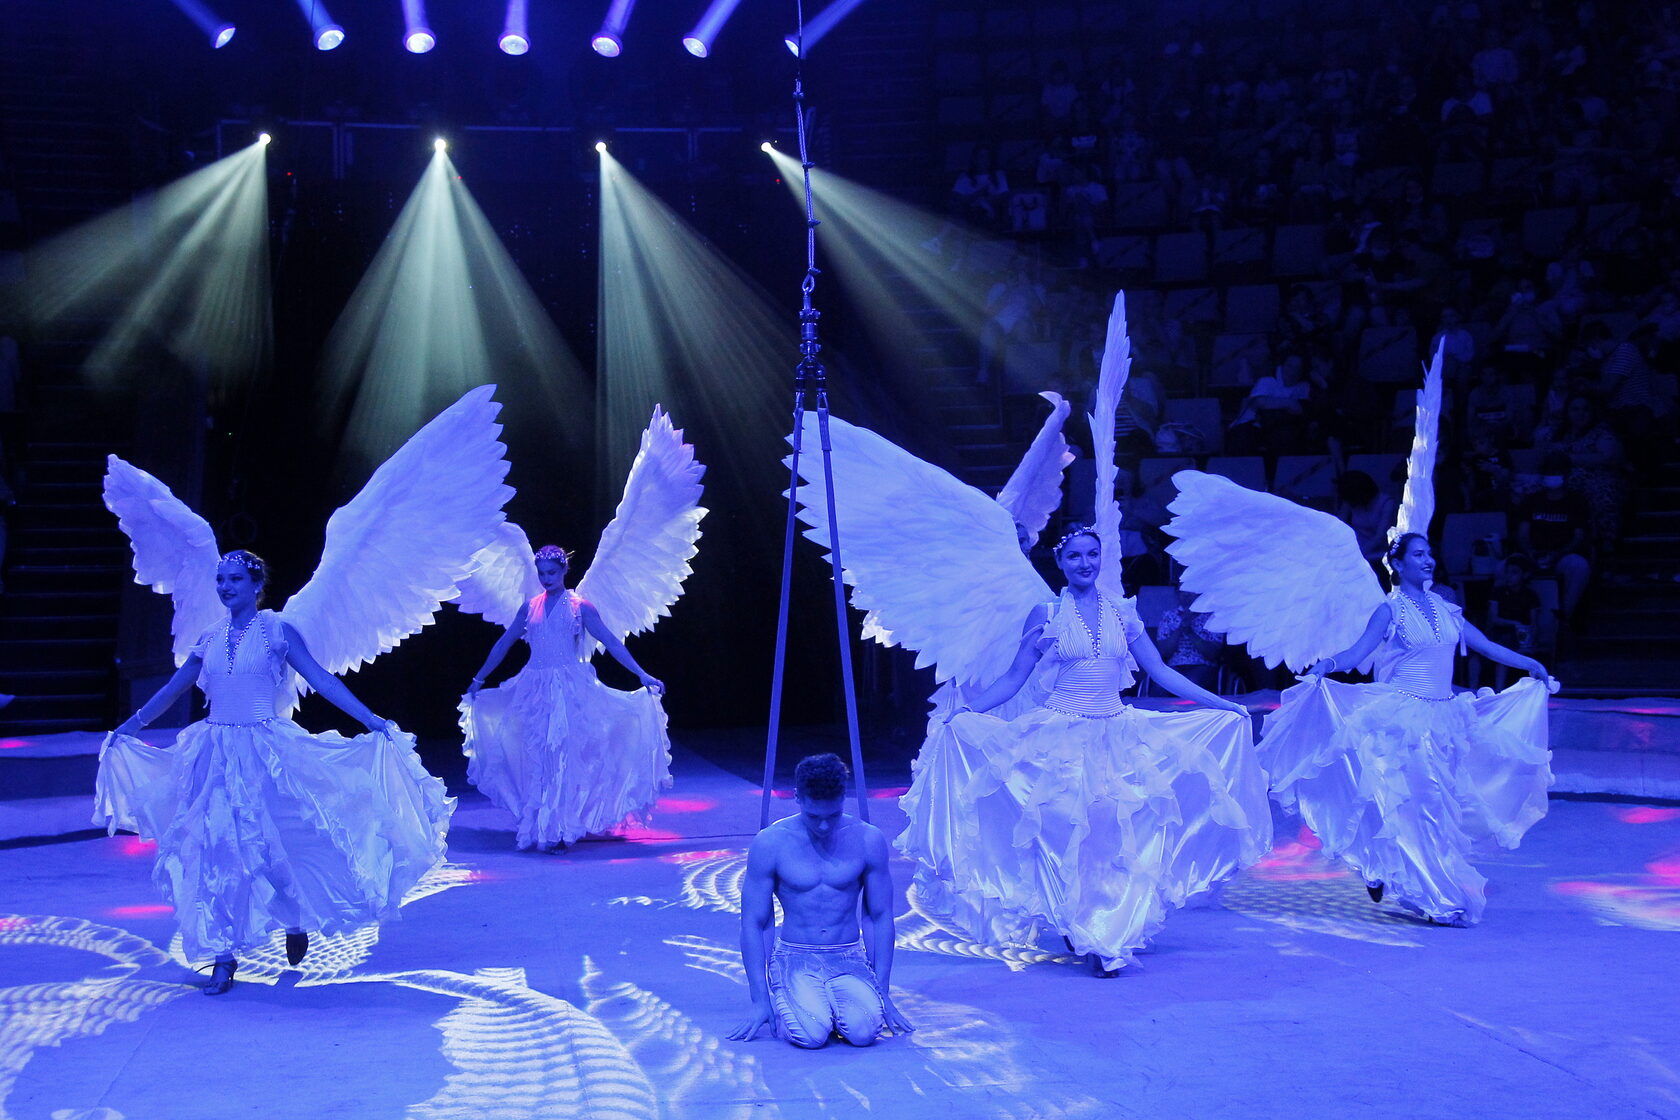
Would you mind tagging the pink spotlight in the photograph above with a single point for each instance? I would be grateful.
(609, 41)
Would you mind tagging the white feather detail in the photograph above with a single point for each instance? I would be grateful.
(396, 551)
(644, 553)
(1034, 491)
(1417, 503)
(1111, 383)
(933, 560)
(174, 549)
(503, 577)
(1285, 580)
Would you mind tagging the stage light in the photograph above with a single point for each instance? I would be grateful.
(609, 41)
(516, 37)
(417, 34)
(764, 147)
(820, 25)
(600, 145)
(440, 145)
(264, 139)
(699, 41)
(326, 33)
(219, 30)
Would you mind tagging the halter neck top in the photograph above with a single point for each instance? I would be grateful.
(1091, 661)
(244, 671)
(554, 631)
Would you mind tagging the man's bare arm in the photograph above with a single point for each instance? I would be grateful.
(878, 908)
(758, 913)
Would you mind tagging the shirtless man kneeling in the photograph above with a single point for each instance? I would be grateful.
(827, 973)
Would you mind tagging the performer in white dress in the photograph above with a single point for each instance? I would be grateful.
(260, 825)
(1086, 816)
(1400, 778)
(567, 755)
(1089, 818)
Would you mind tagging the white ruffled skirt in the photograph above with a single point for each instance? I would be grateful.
(263, 827)
(1087, 828)
(565, 754)
(1403, 789)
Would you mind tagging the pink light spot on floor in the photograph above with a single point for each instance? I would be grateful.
(888, 792)
(144, 910)
(1666, 870)
(783, 794)
(1307, 839)
(135, 847)
(1291, 862)
(12, 744)
(644, 833)
(8, 924)
(686, 804)
(1646, 814)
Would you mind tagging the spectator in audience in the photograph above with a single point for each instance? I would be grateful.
(979, 194)
(1458, 345)
(1622, 380)
(1494, 65)
(1494, 408)
(1058, 95)
(1272, 95)
(1487, 475)
(1513, 616)
(1370, 512)
(1276, 414)
(1188, 644)
(1526, 333)
(1552, 527)
(1598, 467)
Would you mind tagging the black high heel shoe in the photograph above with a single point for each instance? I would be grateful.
(221, 978)
(1375, 890)
(1097, 968)
(297, 946)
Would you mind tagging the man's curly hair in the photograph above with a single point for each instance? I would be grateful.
(820, 777)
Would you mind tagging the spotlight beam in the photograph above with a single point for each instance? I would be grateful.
(609, 41)
(516, 36)
(699, 41)
(417, 34)
(323, 29)
(821, 24)
(219, 30)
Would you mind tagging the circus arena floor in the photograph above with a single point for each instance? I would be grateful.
(603, 982)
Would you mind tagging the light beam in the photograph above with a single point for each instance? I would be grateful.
(184, 269)
(417, 35)
(219, 31)
(442, 308)
(821, 24)
(516, 35)
(609, 41)
(323, 29)
(699, 41)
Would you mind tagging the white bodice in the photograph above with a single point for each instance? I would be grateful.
(1416, 655)
(1092, 666)
(554, 631)
(243, 671)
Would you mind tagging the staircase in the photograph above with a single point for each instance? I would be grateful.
(1629, 642)
(66, 563)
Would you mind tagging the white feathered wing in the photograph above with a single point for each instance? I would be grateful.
(1034, 491)
(1285, 580)
(933, 560)
(644, 553)
(503, 577)
(174, 549)
(396, 551)
(1116, 368)
(1417, 503)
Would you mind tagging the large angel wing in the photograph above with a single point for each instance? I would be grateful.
(1111, 382)
(397, 550)
(642, 560)
(1034, 492)
(1283, 579)
(174, 549)
(1417, 503)
(503, 577)
(933, 560)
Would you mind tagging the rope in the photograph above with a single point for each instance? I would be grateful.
(808, 373)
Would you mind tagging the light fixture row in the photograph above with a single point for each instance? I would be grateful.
(515, 39)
